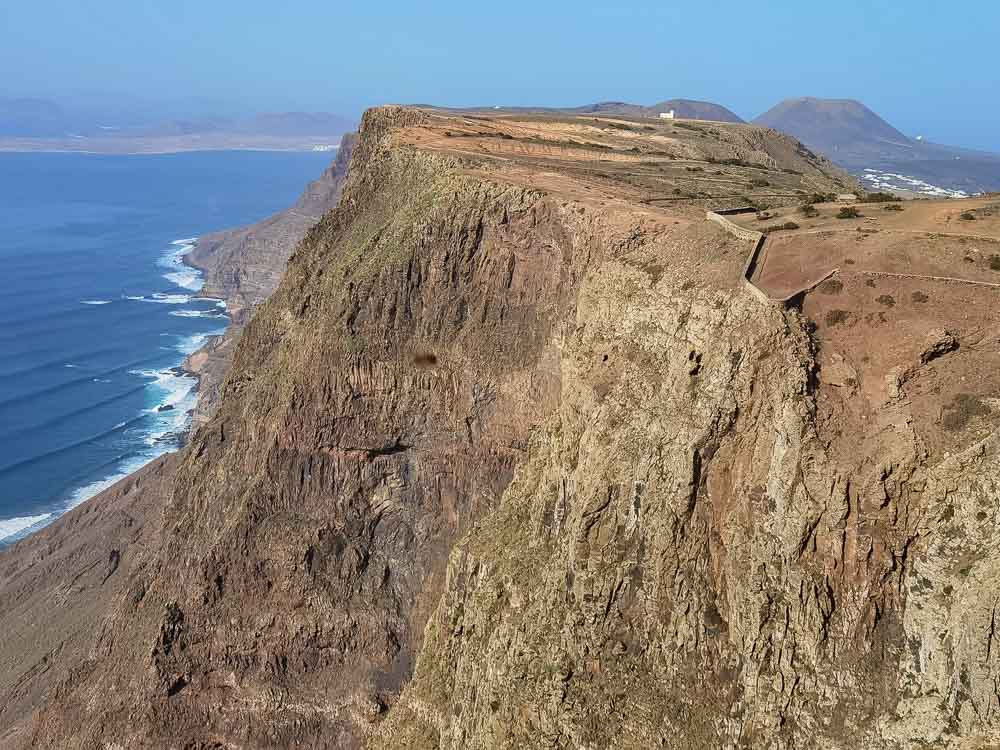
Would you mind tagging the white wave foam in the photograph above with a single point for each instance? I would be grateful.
(176, 396)
(893, 181)
(173, 394)
(190, 344)
(10, 527)
(81, 494)
(95, 302)
(178, 273)
(195, 314)
(73, 367)
(189, 278)
(163, 299)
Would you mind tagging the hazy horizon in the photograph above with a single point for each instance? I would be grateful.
(910, 65)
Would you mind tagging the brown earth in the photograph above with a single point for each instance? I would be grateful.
(513, 459)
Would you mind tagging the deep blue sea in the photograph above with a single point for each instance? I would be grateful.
(96, 309)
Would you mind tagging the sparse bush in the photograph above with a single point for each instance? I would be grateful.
(995, 262)
(788, 226)
(822, 198)
(836, 317)
(848, 212)
(809, 211)
(892, 207)
(880, 197)
(694, 169)
(967, 216)
(886, 299)
(870, 283)
(919, 297)
(757, 182)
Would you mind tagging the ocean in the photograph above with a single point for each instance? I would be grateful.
(97, 309)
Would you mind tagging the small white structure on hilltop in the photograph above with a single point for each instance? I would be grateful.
(667, 115)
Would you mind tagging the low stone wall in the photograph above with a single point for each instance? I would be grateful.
(734, 229)
(750, 235)
(750, 267)
(944, 279)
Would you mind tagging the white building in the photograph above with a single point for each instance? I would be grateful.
(667, 115)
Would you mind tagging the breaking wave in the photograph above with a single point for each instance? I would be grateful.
(15, 527)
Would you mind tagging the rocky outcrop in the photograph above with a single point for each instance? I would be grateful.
(512, 458)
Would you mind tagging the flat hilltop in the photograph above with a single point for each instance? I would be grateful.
(681, 165)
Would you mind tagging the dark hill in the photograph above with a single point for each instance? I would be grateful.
(856, 138)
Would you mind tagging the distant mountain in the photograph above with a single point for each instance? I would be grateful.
(696, 110)
(37, 124)
(684, 108)
(284, 124)
(831, 124)
(856, 138)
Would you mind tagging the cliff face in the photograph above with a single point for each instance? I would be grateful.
(513, 459)
(244, 266)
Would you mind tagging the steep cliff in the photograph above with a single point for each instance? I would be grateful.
(513, 459)
(244, 266)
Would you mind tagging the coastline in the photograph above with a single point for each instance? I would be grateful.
(174, 406)
(163, 146)
(208, 363)
(239, 268)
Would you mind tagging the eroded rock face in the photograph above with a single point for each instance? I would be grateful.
(512, 459)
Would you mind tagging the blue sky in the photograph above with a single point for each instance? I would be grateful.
(928, 67)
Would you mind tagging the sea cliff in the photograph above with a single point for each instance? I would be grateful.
(513, 458)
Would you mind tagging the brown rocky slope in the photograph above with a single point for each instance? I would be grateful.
(513, 459)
